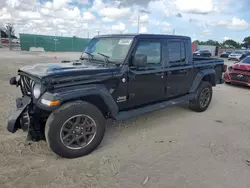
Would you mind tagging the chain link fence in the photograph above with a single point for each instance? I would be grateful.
(53, 43)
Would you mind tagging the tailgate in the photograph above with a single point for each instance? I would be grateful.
(219, 70)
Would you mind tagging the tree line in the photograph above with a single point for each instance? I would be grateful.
(6, 30)
(227, 43)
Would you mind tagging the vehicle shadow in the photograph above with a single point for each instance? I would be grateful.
(116, 130)
(244, 87)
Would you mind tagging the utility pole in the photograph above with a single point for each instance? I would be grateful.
(173, 31)
(138, 23)
(0, 38)
(139, 18)
(9, 33)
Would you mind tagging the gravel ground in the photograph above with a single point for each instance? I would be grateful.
(170, 148)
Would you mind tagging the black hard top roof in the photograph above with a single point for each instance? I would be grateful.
(145, 36)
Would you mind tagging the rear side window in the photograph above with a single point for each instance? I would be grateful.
(176, 52)
(152, 49)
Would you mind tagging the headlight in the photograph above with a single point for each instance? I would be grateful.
(37, 90)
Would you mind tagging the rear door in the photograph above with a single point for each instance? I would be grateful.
(146, 84)
(178, 68)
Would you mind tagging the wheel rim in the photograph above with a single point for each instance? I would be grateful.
(205, 97)
(78, 131)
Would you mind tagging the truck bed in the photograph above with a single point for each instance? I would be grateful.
(199, 60)
(211, 63)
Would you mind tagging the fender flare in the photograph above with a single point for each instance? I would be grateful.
(77, 92)
(199, 78)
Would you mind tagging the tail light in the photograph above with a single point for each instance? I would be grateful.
(224, 68)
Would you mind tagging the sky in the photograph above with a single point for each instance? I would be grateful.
(200, 19)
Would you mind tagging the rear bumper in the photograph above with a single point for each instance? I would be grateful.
(15, 118)
(224, 56)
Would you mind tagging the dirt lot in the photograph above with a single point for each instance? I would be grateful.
(171, 148)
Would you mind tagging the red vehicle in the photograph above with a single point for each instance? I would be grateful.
(5, 41)
(239, 72)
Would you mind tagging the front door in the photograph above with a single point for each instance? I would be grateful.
(146, 84)
(179, 69)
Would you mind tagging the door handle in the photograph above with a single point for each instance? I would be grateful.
(160, 74)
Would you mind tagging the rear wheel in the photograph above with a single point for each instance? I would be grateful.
(203, 97)
(75, 129)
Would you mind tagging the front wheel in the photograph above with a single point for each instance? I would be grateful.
(75, 129)
(203, 97)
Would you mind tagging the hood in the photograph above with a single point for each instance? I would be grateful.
(70, 68)
(241, 66)
(235, 54)
(71, 72)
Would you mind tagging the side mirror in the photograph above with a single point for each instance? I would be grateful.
(13, 81)
(139, 60)
(236, 62)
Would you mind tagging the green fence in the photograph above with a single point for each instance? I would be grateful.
(53, 43)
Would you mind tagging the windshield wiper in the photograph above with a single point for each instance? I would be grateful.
(106, 59)
(103, 55)
(89, 55)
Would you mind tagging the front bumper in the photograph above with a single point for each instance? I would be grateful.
(16, 118)
(228, 79)
(234, 57)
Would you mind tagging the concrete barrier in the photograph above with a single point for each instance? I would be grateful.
(36, 49)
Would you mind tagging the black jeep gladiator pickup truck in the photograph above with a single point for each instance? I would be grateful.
(117, 76)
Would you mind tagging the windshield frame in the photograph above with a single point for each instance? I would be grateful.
(98, 58)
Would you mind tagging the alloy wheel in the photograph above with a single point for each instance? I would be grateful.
(78, 131)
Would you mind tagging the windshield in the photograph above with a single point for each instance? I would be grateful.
(115, 49)
(238, 52)
(246, 60)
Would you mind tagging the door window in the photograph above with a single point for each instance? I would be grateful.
(151, 49)
(176, 52)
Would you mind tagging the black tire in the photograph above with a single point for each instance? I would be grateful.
(195, 104)
(57, 119)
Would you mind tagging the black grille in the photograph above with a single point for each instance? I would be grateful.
(241, 70)
(240, 77)
(26, 85)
